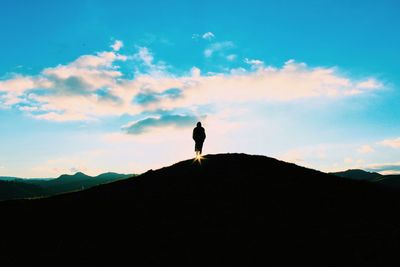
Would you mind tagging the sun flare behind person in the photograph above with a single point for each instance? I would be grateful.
(199, 158)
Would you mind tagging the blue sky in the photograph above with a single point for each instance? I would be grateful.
(118, 86)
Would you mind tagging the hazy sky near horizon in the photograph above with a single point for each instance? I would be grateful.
(98, 86)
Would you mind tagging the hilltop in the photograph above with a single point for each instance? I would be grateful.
(231, 210)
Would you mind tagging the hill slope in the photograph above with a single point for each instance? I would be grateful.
(232, 210)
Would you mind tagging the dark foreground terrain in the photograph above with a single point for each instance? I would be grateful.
(232, 210)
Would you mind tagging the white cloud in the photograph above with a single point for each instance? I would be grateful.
(18, 84)
(370, 83)
(102, 59)
(365, 149)
(93, 86)
(14, 88)
(208, 36)
(393, 143)
(117, 45)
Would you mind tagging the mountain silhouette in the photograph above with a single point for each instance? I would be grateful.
(358, 174)
(389, 181)
(230, 210)
(79, 176)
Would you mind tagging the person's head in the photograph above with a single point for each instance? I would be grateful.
(199, 124)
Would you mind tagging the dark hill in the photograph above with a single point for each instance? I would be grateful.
(232, 210)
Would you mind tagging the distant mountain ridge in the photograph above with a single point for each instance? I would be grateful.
(14, 187)
(79, 181)
(391, 181)
(358, 174)
(77, 174)
(12, 178)
(71, 177)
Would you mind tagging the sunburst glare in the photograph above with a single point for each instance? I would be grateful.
(199, 158)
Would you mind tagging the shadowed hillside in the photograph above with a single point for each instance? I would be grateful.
(17, 189)
(232, 210)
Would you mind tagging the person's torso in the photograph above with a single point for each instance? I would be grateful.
(199, 133)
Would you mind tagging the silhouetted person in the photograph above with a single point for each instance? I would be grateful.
(199, 135)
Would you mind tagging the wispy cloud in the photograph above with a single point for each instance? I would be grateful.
(145, 56)
(393, 143)
(369, 84)
(217, 47)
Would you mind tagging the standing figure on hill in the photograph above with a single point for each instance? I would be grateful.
(199, 135)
